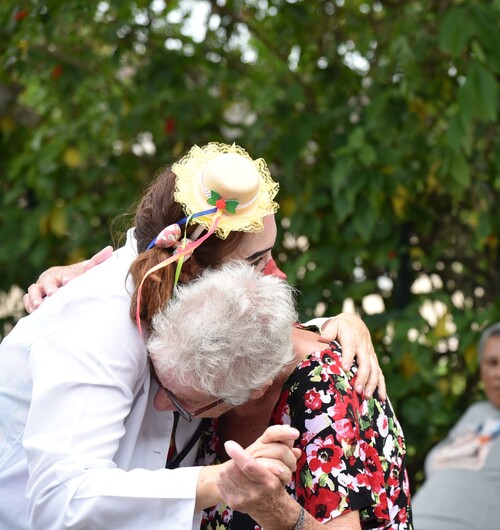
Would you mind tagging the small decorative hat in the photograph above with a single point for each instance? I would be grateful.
(223, 190)
(219, 171)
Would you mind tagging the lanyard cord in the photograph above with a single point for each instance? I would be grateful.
(174, 462)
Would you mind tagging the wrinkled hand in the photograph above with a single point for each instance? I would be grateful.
(251, 485)
(55, 277)
(355, 340)
(256, 477)
(276, 445)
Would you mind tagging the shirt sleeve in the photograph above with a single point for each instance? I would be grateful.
(337, 470)
(88, 373)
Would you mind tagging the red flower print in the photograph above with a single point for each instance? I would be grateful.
(369, 434)
(345, 429)
(281, 413)
(306, 437)
(325, 455)
(402, 516)
(339, 409)
(322, 503)
(383, 425)
(313, 400)
(381, 511)
(394, 476)
(305, 363)
(21, 14)
(373, 466)
(363, 480)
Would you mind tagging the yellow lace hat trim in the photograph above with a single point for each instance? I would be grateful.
(231, 172)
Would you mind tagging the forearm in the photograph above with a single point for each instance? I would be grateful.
(285, 514)
(207, 493)
(282, 515)
(133, 499)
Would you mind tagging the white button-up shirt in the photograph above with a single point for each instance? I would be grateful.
(81, 445)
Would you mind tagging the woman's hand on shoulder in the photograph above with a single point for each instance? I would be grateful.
(355, 339)
(55, 277)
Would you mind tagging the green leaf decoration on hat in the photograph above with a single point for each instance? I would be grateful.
(214, 197)
(229, 205)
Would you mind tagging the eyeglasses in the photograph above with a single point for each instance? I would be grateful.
(188, 416)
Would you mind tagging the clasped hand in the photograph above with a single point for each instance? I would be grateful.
(256, 476)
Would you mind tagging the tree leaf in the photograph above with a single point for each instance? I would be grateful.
(455, 30)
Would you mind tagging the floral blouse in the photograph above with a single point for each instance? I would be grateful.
(353, 450)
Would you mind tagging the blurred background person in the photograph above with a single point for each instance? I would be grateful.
(462, 486)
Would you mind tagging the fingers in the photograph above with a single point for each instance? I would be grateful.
(370, 376)
(365, 370)
(38, 291)
(283, 473)
(258, 469)
(280, 433)
(335, 328)
(381, 387)
(275, 451)
(55, 277)
(329, 330)
(356, 342)
(98, 258)
(250, 467)
(32, 299)
(276, 443)
(348, 354)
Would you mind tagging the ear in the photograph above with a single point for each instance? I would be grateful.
(161, 401)
(257, 394)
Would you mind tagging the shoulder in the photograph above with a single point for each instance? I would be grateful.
(319, 392)
(474, 416)
(90, 316)
(479, 412)
(322, 367)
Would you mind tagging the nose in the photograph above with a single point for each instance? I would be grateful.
(271, 269)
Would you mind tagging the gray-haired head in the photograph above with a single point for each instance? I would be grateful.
(490, 331)
(225, 333)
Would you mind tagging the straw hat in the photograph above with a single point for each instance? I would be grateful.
(220, 171)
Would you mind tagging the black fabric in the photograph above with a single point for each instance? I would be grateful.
(242, 521)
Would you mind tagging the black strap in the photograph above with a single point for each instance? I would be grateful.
(179, 457)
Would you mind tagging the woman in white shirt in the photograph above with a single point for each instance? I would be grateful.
(75, 381)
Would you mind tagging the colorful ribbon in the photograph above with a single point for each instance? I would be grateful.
(181, 253)
(181, 222)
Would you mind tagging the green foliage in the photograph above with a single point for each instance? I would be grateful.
(379, 120)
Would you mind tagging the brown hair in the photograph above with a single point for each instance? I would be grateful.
(158, 209)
